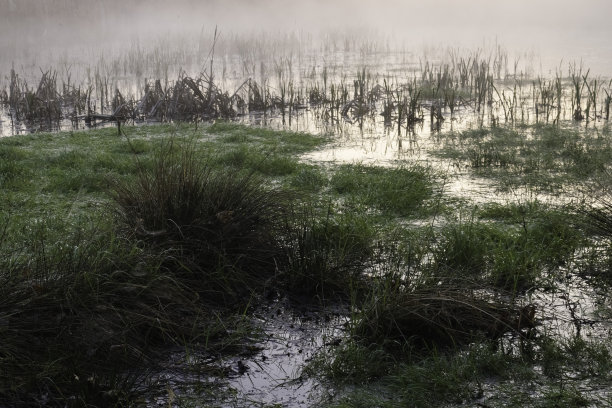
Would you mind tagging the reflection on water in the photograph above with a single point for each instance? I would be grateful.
(307, 83)
(274, 375)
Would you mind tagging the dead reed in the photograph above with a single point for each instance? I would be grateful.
(279, 81)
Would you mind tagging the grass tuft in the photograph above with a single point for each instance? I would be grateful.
(437, 317)
(218, 230)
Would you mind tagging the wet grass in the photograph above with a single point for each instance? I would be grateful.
(90, 299)
(117, 249)
(598, 227)
(328, 254)
(282, 142)
(543, 376)
(85, 307)
(401, 191)
(519, 255)
(546, 158)
(220, 232)
(86, 313)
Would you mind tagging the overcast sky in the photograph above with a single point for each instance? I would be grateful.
(489, 15)
(486, 15)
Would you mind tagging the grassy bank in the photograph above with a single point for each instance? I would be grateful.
(118, 250)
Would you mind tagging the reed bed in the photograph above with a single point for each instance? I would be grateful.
(286, 78)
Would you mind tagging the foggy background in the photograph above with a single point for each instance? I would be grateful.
(568, 30)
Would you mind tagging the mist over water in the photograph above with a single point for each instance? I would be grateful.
(96, 49)
(32, 31)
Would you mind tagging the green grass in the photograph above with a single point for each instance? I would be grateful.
(116, 249)
(524, 252)
(402, 191)
(219, 231)
(327, 256)
(544, 157)
(477, 375)
(85, 316)
(259, 159)
(281, 141)
(308, 178)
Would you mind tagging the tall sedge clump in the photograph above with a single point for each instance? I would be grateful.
(72, 331)
(218, 230)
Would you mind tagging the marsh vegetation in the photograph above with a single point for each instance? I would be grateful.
(121, 251)
(288, 219)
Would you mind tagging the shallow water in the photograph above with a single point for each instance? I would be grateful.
(272, 375)
(270, 372)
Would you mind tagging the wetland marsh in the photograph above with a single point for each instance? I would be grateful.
(302, 218)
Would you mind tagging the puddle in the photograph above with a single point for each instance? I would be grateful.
(571, 308)
(273, 376)
(269, 374)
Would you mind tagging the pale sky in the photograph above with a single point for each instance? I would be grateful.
(563, 28)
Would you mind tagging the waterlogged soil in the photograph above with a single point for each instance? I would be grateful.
(269, 371)
(272, 376)
(571, 308)
(291, 339)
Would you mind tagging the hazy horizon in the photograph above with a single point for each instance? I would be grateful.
(555, 29)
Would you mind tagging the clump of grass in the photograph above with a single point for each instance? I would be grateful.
(308, 178)
(327, 256)
(517, 264)
(282, 141)
(575, 373)
(12, 169)
(83, 318)
(483, 157)
(516, 256)
(542, 156)
(219, 230)
(86, 310)
(437, 317)
(599, 217)
(598, 224)
(256, 159)
(463, 248)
